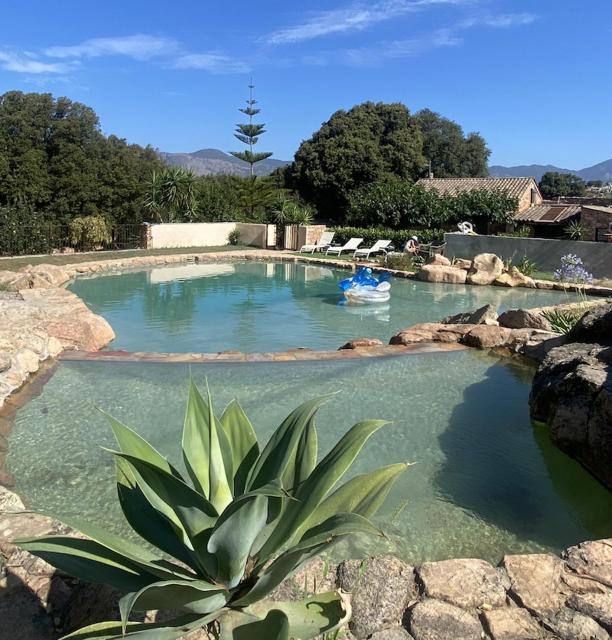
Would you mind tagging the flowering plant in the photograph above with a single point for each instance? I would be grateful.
(572, 271)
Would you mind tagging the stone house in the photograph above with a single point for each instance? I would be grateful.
(597, 223)
(526, 190)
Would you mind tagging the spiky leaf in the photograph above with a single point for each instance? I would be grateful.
(243, 443)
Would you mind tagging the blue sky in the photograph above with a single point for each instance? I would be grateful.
(535, 78)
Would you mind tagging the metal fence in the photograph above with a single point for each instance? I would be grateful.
(49, 238)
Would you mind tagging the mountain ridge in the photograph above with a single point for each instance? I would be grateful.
(599, 171)
(214, 162)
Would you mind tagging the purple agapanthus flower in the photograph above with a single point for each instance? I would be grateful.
(572, 271)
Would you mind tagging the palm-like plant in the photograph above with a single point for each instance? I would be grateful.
(171, 194)
(228, 533)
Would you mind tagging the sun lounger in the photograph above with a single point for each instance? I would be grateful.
(378, 247)
(351, 245)
(322, 243)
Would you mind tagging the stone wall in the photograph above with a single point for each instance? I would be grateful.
(546, 254)
(593, 219)
(526, 597)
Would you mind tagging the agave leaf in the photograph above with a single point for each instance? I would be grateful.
(280, 449)
(220, 463)
(312, 491)
(305, 459)
(146, 521)
(195, 596)
(167, 630)
(313, 542)
(138, 555)
(196, 440)
(273, 626)
(243, 443)
(233, 537)
(89, 561)
(187, 509)
(132, 444)
(320, 614)
(364, 495)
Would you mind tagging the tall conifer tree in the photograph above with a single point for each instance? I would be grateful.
(249, 134)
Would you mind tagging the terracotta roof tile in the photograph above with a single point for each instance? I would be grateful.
(548, 213)
(515, 187)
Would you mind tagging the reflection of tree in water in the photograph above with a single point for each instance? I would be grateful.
(494, 469)
(171, 304)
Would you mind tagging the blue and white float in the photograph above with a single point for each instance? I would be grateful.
(363, 287)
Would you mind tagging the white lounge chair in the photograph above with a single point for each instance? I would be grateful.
(322, 243)
(351, 245)
(378, 247)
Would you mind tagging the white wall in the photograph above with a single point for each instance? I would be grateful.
(196, 234)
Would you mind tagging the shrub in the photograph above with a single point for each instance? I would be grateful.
(89, 232)
(400, 263)
(240, 522)
(399, 204)
(292, 212)
(520, 232)
(234, 237)
(527, 267)
(575, 230)
(398, 238)
(562, 321)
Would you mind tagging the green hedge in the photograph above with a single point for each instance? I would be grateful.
(398, 238)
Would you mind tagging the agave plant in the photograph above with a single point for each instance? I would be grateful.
(228, 532)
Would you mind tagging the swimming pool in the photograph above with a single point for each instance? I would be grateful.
(486, 482)
(259, 307)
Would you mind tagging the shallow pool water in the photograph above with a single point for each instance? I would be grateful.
(258, 307)
(485, 482)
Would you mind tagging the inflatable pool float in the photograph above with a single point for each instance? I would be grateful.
(363, 287)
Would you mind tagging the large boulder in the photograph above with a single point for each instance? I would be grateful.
(487, 337)
(486, 268)
(435, 620)
(572, 393)
(441, 274)
(380, 591)
(484, 315)
(466, 583)
(523, 319)
(514, 278)
(512, 624)
(431, 332)
(594, 326)
(440, 260)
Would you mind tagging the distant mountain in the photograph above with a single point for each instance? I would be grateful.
(212, 162)
(601, 171)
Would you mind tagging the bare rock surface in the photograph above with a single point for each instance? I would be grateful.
(394, 633)
(431, 332)
(523, 319)
(486, 337)
(514, 278)
(362, 343)
(568, 624)
(594, 326)
(486, 268)
(468, 583)
(436, 620)
(380, 591)
(592, 559)
(39, 324)
(535, 581)
(484, 315)
(597, 606)
(441, 273)
(440, 260)
(512, 624)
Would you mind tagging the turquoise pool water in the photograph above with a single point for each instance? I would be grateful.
(486, 482)
(256, 307)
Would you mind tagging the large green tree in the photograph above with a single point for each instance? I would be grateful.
(555, 185)
(55, 159)
(450, 152)
(354, 148)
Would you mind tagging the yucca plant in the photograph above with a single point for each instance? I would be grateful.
(227, 534)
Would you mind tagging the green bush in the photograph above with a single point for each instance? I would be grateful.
(89, 232)
(399, 204)
(400, 263)
(398, 238)
(234, 237)
(562, 320)
(520, 232)
(221, 538)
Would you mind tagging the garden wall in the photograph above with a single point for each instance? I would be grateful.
(203, 234)
(597, 256)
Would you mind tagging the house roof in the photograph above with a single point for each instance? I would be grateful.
(515, 187)
(593, 207)
(548, 213)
